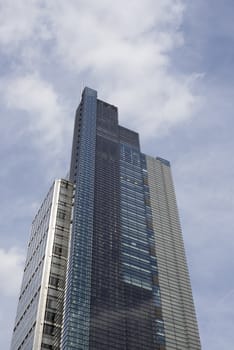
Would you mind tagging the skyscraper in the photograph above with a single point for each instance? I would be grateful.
(106, 266)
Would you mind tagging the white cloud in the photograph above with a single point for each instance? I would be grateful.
(20, 21)
(17, 22)
(11, 268)
(45, 113)
(123, 49)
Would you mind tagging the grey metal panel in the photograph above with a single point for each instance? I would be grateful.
(177, 302)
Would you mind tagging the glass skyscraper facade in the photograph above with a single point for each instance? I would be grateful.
(110, 271)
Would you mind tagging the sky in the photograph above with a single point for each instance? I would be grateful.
(169, 67)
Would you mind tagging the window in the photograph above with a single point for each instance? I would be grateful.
(50, 316)
(54, 281)
(58, 250)
(46, 346)
(51, 303)
(61, 214)
(48, 329)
